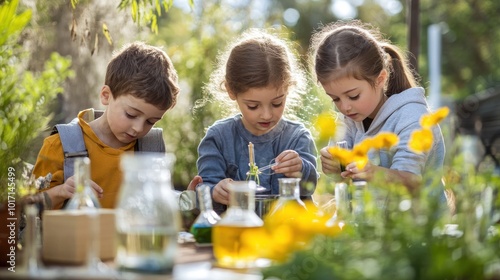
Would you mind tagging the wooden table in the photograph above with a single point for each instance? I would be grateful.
(191, 262)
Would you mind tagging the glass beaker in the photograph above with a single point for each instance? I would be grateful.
(202, 226)
(232, 235)
(289, 194)
(147, 214)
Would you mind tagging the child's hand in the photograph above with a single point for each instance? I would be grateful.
(329, 164)
(352, 171)
(220, 192)
(289, 164)
(60, 193)
(196, 180)
(69, 188)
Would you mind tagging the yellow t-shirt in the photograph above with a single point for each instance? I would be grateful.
(104, 161)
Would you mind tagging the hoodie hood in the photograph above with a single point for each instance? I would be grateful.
(411, 101)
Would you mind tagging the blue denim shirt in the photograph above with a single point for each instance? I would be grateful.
(223, 153)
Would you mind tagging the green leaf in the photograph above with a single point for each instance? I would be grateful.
(107, 34)
(10, 23)
(158, 7)
(154, 24)
(135, 11)
(73, 3)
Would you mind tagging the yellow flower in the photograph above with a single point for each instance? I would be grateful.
(361, 160)
(287, 231)
(421, 140)
(386, 140)
(429, 120)
(363, 147)
(359, 153)
(343, 155)
(326, 125)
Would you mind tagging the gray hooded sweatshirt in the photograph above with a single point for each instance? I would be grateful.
(401, 114)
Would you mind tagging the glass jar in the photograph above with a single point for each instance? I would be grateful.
(232, 235)
(147, 214)
(202, 226)
(289, 195)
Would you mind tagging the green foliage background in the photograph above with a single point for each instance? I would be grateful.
(25, 96)
(193, 32)
(36, 50)
(410, 238)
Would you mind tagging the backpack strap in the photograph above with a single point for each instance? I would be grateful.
(152, 142)
(71, 136)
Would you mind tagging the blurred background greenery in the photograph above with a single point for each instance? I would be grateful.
(53, 57)
(192, 33)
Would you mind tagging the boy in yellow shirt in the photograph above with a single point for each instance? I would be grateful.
(140, 86)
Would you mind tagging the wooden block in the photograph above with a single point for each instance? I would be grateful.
(66, 235)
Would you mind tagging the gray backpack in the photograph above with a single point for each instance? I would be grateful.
(73, 145)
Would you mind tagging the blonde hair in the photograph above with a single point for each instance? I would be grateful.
(258, 58)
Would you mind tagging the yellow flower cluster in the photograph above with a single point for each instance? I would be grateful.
(359, 153)
(421, 140)
(293, 226)
(289, 229)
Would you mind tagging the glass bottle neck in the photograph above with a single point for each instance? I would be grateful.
(204, 198)
(289, 188)
(242, 196)
(82, 174)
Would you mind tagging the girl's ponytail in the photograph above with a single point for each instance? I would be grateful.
(401, 77)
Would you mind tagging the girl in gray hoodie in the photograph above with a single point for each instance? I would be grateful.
(371, 84)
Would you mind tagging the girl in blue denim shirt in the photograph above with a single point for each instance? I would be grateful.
(261, 76)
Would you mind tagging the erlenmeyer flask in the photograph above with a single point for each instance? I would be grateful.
(289, 195)
(231, 236)
(202, 226)
(84, 196)
(84, 199)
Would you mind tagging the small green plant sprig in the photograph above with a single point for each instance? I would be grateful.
(253, 172)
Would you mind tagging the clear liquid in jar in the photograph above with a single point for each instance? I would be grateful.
(150, 250)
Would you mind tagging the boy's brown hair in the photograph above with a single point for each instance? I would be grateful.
(145, 72)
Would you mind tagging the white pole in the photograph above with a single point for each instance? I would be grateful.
(434, 45)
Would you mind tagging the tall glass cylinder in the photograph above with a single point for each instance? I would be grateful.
(147, 218)
(342, 211)
(358, 200)
(231, 236)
